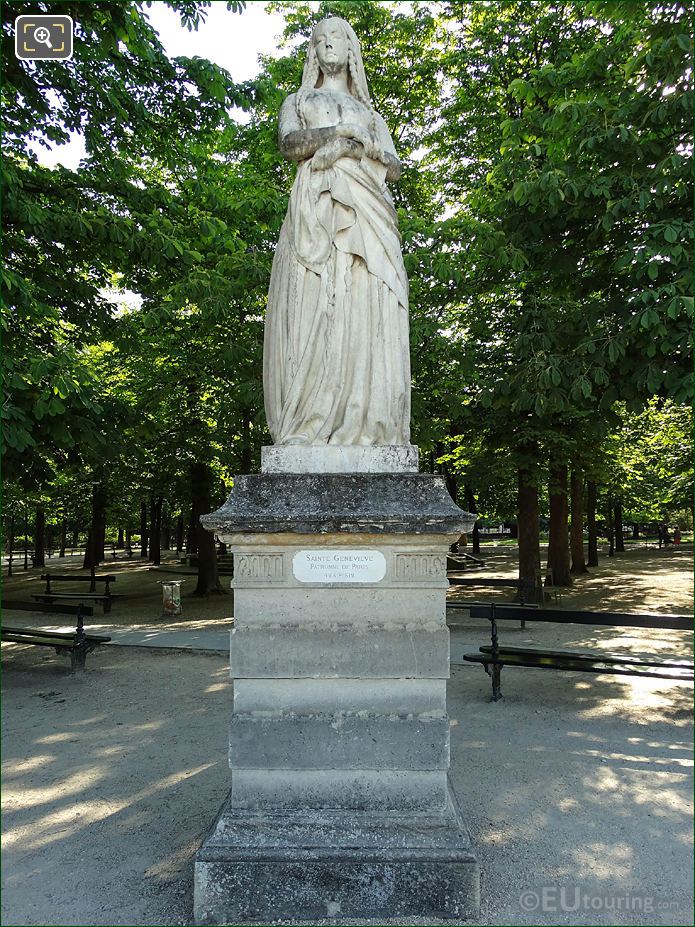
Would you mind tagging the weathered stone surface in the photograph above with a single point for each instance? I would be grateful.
(340, 740)
(331, 606)
(382, 565)
(266, 867)
(336, 353)
(361, 790)
(334, 458)
(253, 541)
(378, 503)
(310, 696)
(292, 651)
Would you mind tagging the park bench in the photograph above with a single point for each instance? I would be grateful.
(523, 587)
(105, 597)
(496, 656)
(11, 605)
(76, 643)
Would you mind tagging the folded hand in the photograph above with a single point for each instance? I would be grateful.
(328, 154)
(361, 135)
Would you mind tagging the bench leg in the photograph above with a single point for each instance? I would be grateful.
(78, 658)
(494, 671)
(496, 682)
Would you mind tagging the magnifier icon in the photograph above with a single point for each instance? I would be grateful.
(43, 35)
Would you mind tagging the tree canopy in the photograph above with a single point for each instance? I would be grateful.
(545, 212)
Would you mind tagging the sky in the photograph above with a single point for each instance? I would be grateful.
(232, 40)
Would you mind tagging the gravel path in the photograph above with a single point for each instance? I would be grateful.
(572, 784)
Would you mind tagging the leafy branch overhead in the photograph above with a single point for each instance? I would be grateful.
(544, 207)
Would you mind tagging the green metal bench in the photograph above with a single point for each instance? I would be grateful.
(75, 643)
(50, 595)
(495, 656)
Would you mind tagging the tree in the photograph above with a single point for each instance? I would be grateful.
(67, 231)
(588, 188)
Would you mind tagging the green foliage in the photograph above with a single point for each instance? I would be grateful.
(544, 209)
(66, 232)
(565, 132)
(649, 462)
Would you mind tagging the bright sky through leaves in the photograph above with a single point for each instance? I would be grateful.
(233, 42)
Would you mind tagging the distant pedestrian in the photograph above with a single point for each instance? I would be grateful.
(677, 536)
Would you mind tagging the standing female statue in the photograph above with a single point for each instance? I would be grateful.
(336, 356)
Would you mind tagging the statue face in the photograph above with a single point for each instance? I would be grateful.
(331, 46)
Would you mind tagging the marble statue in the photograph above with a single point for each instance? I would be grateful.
(336, 355)
(340, 808)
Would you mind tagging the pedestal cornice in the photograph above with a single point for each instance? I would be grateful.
(319, 503)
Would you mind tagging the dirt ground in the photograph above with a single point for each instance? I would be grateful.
(137, 586)
(577, 789)
(572, 784)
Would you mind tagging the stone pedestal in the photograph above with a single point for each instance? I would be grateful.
(340, 805)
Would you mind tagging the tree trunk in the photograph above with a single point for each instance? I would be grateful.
(165, 530)
(153, 534)
(577, 525)
(619, 539)
(156, 531)
(610, 530)
(475, 540)
(94, 552)
(179, 534)
(192, 534)
(129, 542)
(121, 541)
(451, 483)
(558, 568)
(11, 547)
(88, 559)
(472, 507)
(143, 529)
(201, 496)
(39, 559)
(26, 541)
(529, 537)
(63, 537)
(635, 532)
(591, 523)
(100, 523)
(75, 542)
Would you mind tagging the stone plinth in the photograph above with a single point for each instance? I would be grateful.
(340, 805)
(333, 458)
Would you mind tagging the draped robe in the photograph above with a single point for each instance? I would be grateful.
(336, 353)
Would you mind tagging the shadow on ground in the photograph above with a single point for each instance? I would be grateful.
(112, 779)
(109, 783)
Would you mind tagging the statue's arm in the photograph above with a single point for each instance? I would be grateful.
(296, 142)
(388, 155)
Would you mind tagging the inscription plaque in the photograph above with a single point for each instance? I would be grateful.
(339, 566)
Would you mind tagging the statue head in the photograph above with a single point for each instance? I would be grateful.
(334, 42)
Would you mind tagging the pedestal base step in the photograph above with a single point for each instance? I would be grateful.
(302, 867)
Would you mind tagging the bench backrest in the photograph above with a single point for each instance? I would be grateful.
(567, 616)
(70, 577)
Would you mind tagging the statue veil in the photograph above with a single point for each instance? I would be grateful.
(312, 77)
